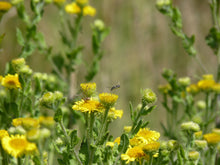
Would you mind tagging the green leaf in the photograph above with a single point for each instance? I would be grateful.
(74, 138)
(36, 160)
(124, 143)
(131, 111)
(137, 127)
(84, 154)
(58, 115)
(58, 61)
(20, 37)
(213, 39)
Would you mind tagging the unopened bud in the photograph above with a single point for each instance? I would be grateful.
(184, 81)
(200, 144)
(190, 126)
(193, 155)
(148, 96)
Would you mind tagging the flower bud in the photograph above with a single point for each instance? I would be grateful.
(201, 104)
(88, 89)
(127, 129)
(33, 135)
(163, 2)
(45, 133)
(99, 24)
(172, 145)
(184, 81)
(198, 135)
(197, 119)
(200, 144)
(59, 141)
(190, 126)
(216, 130)
(58, 95)
(208, 77)
(47, 99)
(193, 155)
(148, 96)
(18, 63)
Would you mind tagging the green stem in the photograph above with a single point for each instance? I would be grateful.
(4, 156)
(19, 161)
(90, 137)
(151, 159)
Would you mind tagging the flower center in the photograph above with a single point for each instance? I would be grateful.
(18, 144)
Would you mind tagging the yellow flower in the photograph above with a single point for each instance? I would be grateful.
(47, 121)
(206, 84)
(132, 154)
(11, 81)
(82, 2)
(113, 113)
(59, 1)
(198, 135)
(164, 88)
(89, 10)
(17, 121)
(5, 6)
(30, 123)
(193, 89)
(18, 145)
(207, 77)
(212, 138)
(151, 147)
(88, 106)
(127, 129)
(3, 133)
(33, 135)
(193, 155)
(216, 88)
(117, 140)
(147, 136)
(111, 144)
(73, 8)
(108, 99)
(88, 89)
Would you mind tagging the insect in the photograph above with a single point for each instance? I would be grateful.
(115, 87)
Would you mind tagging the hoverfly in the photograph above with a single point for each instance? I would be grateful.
(115, 87)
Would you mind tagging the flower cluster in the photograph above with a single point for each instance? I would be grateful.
(80, 7)
(143, 145)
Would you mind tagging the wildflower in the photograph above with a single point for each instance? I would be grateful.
(30, 123)
(11, 81)
(17, 145)
(117, 140)
(59, 1)
(87, 106)
(148, 96)
(206, 84)
(45, 133)
(201, 104)
(193, 155)
(216, 88)
(17, 122)
(200, 144)
(147, 136)
(47, 121)
(113, 113)
(47, 99)
(18, 63)
(88, 89)
(172, 145)
(207, 77)
(58, 95)
(89, 10)
(161, 3)
(99, 24)
(198, 135)
(216, 130)
(82, 2)
(33, 135)
(163, 145)
(127, 129)
(111, 144)
(108, 99)
(132, 154)
(151, 147)
(73, 8)
(144, 136)
(3, 133)
(164, 88)
(190, 126)
(193, 89)
(212, 138)
(4, 6)
(184, 81)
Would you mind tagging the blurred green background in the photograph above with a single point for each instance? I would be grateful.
(139, 46)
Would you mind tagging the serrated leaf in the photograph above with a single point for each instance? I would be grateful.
(213, 39)
(74, 138)
(124, 143)
(58, 115)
